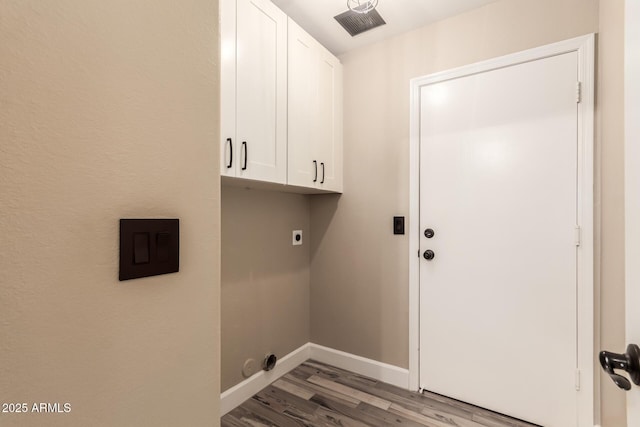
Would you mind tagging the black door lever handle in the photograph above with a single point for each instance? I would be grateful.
(628, 362)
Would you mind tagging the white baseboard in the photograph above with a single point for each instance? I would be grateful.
(391, 374)
(361, 365)
(237, 394)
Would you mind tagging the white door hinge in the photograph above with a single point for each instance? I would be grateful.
(578, 235)
(578, 92)
(577, 379)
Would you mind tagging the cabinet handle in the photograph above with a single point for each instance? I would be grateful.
(322, 182)
(315, 165)
(230, 152)
(246, 154)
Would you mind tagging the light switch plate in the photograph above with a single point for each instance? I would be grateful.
(398, 225)
(149, 247)
(297, 238)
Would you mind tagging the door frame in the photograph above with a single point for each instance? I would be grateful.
(589, 398)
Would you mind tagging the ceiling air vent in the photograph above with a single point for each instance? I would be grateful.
(357, 23)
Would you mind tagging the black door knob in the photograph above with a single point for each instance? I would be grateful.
(429, 233)
(628, 362)
(428, 255)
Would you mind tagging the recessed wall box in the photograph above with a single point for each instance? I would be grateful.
(148, 247)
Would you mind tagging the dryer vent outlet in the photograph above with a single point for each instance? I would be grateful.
(269, 362)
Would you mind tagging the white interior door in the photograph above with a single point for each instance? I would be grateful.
(498, 186)
(632, 191)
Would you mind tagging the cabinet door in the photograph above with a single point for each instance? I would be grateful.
(329, 121)
(229, 145)
(302, 93)
(261, 91)
(315, 113)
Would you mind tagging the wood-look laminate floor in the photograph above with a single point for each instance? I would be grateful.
(315, 394)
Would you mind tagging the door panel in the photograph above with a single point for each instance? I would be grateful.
(303, 88)
(315, 113)
(261, 90)
(330, 137)
(229, 146)
(498, 185)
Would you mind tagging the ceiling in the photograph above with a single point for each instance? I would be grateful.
(316, 17)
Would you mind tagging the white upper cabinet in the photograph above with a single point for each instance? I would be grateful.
(253, 90)
(280, 101)
(315, 114)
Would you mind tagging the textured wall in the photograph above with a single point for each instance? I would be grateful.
(265, 280)
(359, 269)
(610, 203)
(108, 110)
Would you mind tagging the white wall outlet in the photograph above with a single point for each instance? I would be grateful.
(297, 238)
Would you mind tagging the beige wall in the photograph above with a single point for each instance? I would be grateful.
(610, 204)
(359, 269)
(265, 280)
(108, 110)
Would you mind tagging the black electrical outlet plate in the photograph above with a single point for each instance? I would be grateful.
(398, 225)
(149, 247)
